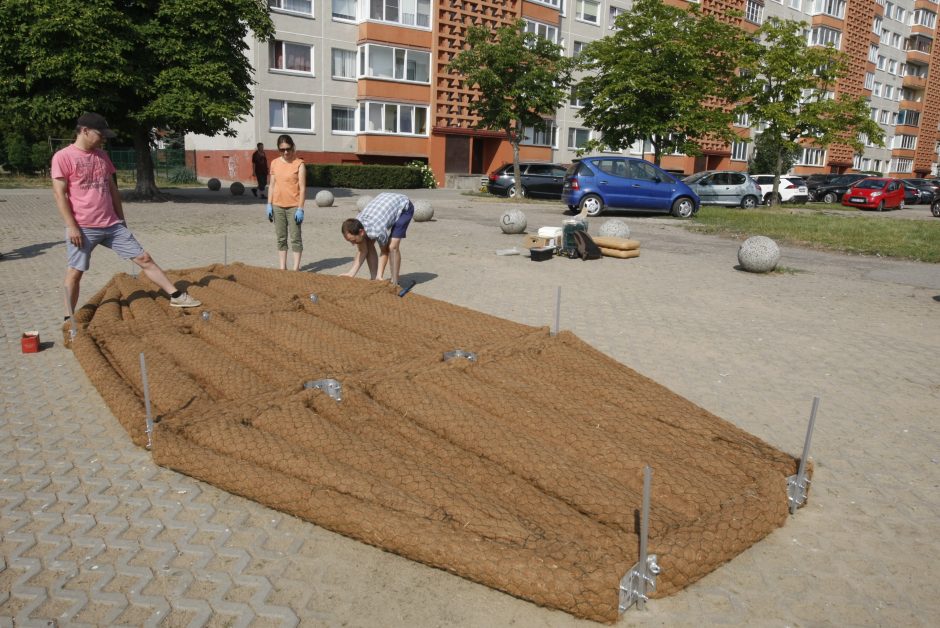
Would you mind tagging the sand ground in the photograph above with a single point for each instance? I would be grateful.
(92, 532)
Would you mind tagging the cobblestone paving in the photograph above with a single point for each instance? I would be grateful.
(93, 533)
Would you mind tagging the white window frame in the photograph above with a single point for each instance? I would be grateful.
(272, 51)
(577, 46)
(739, 151)
(823, 35)
(810, 156)
(573, 133)
(580, 12)
(399, 12)
(277, 7)
(743, 120)
(284, 106)
(555, 4)
(872, 52)
(906, 142)
(753, 11)
(869, 80)
(547, 136)
(344, 61)
(405, 55)
(903, 165)
(344, 17)
(835, 8)
(368, 107)
(348, 109)
(543, 30)
(612, 13)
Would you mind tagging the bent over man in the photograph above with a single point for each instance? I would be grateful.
(384, 220)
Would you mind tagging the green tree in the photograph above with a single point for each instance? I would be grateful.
(771, 153)
(143, 64)
(521, 77)
(18, 153)
(662, 76)
(793, 93)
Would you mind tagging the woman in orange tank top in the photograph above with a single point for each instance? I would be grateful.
(286, 194)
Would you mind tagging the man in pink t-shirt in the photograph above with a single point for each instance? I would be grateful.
(90, 204)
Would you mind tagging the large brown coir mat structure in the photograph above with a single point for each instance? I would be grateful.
(521, 470)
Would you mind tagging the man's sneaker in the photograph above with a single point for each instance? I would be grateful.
(184, 300)
(254, 191)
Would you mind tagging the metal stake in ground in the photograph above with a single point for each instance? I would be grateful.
(143, 379)
(225, 247)
(557, 311)
(642, 577)
(797, 484)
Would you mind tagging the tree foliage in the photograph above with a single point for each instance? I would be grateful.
(660, 77)
(792, 93)
(143, 64)
(771, 153)
(521, 78)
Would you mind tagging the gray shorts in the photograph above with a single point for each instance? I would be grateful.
(117, 237)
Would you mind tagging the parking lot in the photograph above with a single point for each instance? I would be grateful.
(93, 533)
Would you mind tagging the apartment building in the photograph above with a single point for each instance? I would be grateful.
(366, 81)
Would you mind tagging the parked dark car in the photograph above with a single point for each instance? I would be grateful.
(725, 187)
(813, 181)
(594, 184)
(539, 180)
(926, 191)
(935, 208)
(833, 191)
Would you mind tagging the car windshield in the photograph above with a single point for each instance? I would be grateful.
(692, 178)
(870, 184)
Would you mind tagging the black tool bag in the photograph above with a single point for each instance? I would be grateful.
(585, 245)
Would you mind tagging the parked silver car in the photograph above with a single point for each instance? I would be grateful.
(725, 187)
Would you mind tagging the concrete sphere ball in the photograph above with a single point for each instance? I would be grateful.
(362, 201)
(423, 211)
(214, 184)
(324, 198)
(512, 221)
(759, 254)
(237, 189)
(615, 228)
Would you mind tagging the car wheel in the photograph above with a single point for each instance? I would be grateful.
(683, 207)
(592, 204)
(769, 196)
(511, 192)
(881, 206)
(901, 206)
(749, 202)
(830, 197)
(573, 208)
(935, 209)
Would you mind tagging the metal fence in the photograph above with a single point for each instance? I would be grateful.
(168, 163)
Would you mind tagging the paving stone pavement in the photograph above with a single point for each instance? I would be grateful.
(93, 533)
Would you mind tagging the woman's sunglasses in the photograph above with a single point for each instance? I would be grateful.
(285, 149)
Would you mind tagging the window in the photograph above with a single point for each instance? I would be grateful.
(573, 99)
(290, 116)
(289, 57)
(824, 36)
(892, 66)
(812, 157)
(393, 118)
(540, 137)
(869, 80)
(923, 17)
(876, 25)
(743, 120)
(907, 142)
(874, 113)
(895, 40)
(577, 47)
(888, 92)
(885, 37)
(556, 4)
(545, 31)
(587, 11)
(293, 6)
(578, 138)
(753, 11)
(909, 117)
(739, 151)
(398, 64)
(876, 90)
(344, 64)
(872, 52)
(903, 165)
(612, 17)
(344, 10)
(407, 12)
(884, 116)
(835, 8)
(881, 62)
(343, 119)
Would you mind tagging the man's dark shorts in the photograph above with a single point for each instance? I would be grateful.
(401, 225)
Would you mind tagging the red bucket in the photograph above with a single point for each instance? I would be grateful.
(30, 342)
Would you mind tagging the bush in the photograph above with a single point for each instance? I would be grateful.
(366, 177)
(427, 175)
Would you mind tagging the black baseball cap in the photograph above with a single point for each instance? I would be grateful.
(97, 122)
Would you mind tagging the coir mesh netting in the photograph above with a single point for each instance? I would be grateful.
(521, 470)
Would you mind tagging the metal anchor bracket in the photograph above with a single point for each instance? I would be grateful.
(798, 484)
(314, 298)
(642, 576)
(460, 353)
(330, 386)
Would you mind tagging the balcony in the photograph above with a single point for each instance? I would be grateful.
(913, 81)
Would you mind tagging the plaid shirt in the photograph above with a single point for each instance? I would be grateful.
(380, 215)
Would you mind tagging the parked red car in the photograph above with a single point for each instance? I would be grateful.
(875, 193)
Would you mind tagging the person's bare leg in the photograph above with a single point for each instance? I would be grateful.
(383, 261)
(72, 282)
(154, 272)
(282, 260)
(297, 255)
(394, 259)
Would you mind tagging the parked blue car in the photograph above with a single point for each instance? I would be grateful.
(598, 183)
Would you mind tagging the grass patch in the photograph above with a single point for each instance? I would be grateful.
(125, 180)
(917, 240)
